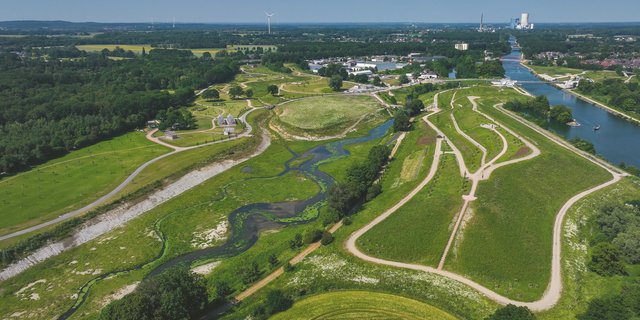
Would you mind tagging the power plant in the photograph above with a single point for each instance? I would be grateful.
(522, 23)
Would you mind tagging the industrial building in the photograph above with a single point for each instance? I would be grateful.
(522, 23)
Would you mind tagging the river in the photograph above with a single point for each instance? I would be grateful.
(248, 221)
(618, 140)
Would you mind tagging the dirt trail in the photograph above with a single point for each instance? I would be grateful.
(130, 178)
(310, 249)
(126, 212)
(554, 289)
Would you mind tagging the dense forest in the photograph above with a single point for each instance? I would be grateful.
(49, 107)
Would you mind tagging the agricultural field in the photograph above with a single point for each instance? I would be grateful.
(327, 115)
(71, 182)
(361, 304)
(137, 48)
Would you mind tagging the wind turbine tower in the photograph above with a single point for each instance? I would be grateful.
(174, 22)
(269, 15)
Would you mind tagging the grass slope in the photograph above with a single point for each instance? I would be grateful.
(361, 305)
(506, 245)
(325, 115)
(70, 182)
(419, 231)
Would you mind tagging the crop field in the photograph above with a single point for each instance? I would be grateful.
(326, 115)
(506, 244)
(137, 48)
(70, 182)
(360, 305)
(424, 222)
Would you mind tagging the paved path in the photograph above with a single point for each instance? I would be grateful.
(130, 178)
(554, 289)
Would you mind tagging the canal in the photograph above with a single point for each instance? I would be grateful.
(618, 140)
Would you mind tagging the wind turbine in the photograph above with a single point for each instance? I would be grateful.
(269, 15)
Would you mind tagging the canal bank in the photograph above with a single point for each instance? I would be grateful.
(617, 140)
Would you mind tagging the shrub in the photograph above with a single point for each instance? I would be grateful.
(512, 312)
(327, 238)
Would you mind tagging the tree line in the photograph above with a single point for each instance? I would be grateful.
(49, 107)
(358, 187)
(539, 110)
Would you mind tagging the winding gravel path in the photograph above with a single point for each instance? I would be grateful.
(127, 211)
(130, 178)
(554, 289)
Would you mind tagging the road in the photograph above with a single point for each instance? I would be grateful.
(554, 289)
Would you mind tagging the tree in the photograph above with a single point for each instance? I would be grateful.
(249, 93)
(512, 312)
(401, 121)
(250, 273)
(605, 260)
(277, 301)
(335, 83)
(561, 114)
(296, 242)
(311, 236)
(211, 94)
(175, 294)
(273, 260)
(378, 82)
(361, 78)
(609, 308)
(235, 92)
(327, 238)
(273, 89)
(403, 79)
(223, 289)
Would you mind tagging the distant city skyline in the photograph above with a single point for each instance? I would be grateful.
(297, 11)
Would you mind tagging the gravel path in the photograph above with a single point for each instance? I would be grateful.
(130, 178)
(554, 289)
(127, 212)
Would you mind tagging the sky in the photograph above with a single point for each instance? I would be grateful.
(291, 11)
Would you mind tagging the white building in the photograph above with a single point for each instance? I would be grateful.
(462, 46)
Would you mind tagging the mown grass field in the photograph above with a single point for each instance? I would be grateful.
(506, 245)
(325, 115)
(361, 305)
(70, 182)
(418, 232)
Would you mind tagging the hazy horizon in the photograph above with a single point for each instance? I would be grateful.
(329, 11)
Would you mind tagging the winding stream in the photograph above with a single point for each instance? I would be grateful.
(248, 221)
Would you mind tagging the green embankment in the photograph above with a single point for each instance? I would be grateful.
(327, 115)
(506, 245)
(362, 305)
(71, 182)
